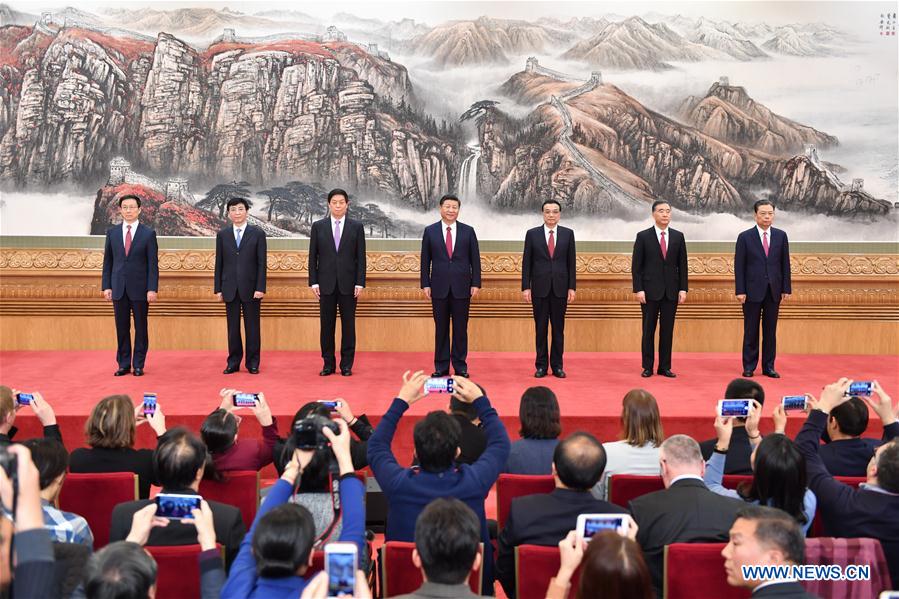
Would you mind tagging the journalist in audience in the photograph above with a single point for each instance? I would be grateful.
(38, 405)
(872, 510)
(686, 511)
(539, 415)
(219, 433)
(25, 547)
(764, 536)
(110, 431)
(447, 536)
(277, 552)
(360, 427)
(638, 452)
(180, 461)
(436, 439)
(544, 519)
(779, 472)
(51, 460)
(124, 570)
(613, 567)
(740, 448)
(848, 453)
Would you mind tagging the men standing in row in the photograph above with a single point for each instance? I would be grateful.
(240, 268)
(548, 271)
(130, 282)
(450, 277)
(337, 277)
(762, 273)
(659, 270)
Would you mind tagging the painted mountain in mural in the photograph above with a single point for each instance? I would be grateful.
(599, 150)
(241, 109)
(728, 113)
(725, 38)
(636, 44)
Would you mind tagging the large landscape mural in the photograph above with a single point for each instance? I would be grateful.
(709, 105)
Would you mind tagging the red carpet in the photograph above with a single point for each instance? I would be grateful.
(188, 385)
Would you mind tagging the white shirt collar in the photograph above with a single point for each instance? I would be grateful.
(443, 225)
(133, 226)
(334, 221)
(768, 583)
(659, 231)
(546, 228)
(761, 230)
(683, 477)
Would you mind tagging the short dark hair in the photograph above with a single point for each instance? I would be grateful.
(121, 570)
(539, 414)
(129, 196)
(888, 467)
(236, 201)
(760, 203)
(744, 389)
(580, 460)
(447, 534)
(436, 438)
(658, 203)
(457, 406)
(450, 196)
(556, 202)
(775, 528)
(178, 457)
(283, 540)
(219, 430)
(338, 192)
(851, 416)
(50, 458)
(614, 567)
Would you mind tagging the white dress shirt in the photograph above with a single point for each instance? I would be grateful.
(243, 231)
(452, 228)
(659, 237)
(125, 230)
(762, 237)
(555, 231)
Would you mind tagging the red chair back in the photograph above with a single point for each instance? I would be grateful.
(697, 570)
(844, 552)
(93, 495)
(817, 528)
(732, 481)
(510, 486)
(534, 566)
(240, 489)
(624, 487)
(179, 574)
(399, 576)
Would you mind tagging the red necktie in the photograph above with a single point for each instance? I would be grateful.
(664, 246)
(552, 244)
(128, 240)
(765, 242)
(449, 242)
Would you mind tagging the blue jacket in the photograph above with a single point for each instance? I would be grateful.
(410, 490)
(848, 512)
(138, 272)
(243, 582)
(754, 272)
(850, 457)
(450, 276)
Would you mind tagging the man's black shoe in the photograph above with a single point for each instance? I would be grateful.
(121, 371)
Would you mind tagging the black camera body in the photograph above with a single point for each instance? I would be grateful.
(10, 463)
(307, 433)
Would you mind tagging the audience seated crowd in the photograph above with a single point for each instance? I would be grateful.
(438, 503)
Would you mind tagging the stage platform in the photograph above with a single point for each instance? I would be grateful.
(188, 383)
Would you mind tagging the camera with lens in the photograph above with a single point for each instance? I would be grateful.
(307, 433)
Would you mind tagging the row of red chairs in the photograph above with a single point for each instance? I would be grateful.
(697, 570)
(622, 489)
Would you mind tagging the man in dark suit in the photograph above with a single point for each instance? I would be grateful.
(179, 461)
(450, 277)
(738, 459)
(130, 282)
(659, 270)
(762, 276)
(765, 536)
(847, 453)
(545, 519)
(872, 510)
(240, 268)
(337, 277)
(548, 271)
(685, 511)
